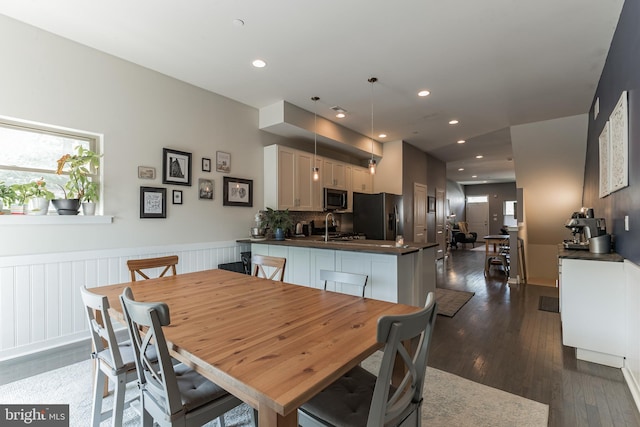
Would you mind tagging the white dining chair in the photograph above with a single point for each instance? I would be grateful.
(360, 398)
(115, 362)
(342, 277)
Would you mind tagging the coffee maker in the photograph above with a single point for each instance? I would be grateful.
(584, 227)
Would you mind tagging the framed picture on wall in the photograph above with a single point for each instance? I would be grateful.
(206, 165)
(176, 167)
(431, 204)
(237, 192)
(153, 202)
(223, 162)
(205, 189)
(177, 197)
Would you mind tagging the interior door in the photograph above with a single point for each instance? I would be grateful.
(419, 212)
(478, 218)
(441, 236)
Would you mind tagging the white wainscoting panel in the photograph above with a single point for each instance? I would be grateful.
(631, 369)
(40, 305)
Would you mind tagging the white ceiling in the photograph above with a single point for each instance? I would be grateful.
(490, 64)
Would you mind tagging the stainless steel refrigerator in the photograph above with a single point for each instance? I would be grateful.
(378, 216)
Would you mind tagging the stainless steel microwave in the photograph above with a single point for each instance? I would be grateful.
(335, 200)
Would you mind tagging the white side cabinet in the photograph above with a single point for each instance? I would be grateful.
(592, 296)
(288, 180)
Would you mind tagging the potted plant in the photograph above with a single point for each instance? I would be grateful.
(80, 167)
(19, 205)
(38, 197)
(7, 195)
(90, 196)
(277, 221)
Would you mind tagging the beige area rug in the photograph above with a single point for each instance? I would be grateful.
(450, 301)
(448, 399)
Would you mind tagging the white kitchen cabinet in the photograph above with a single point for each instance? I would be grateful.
(288, 179)
(334, 174)
(361, 180)
(592, 303)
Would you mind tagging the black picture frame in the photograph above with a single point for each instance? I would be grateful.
(206, 165)
(177, 197)
(237, 192)
(431, 204)
(153, 202)
(176, 167)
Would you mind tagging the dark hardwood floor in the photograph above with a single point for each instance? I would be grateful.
(501, 339)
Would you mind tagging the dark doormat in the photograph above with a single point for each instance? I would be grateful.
(551, 304)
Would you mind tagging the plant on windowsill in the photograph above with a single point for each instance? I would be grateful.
(79, 187)
(38, 197)
(277, 221)
(7, 196)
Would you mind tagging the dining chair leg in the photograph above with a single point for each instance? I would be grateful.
(98, 387)
(221, 420)
(118, 400)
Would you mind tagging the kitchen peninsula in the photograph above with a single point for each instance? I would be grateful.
(403, 274)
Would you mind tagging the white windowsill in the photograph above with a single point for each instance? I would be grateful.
(54, 219)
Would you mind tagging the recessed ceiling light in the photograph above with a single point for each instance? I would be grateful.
(479, 156)
(341, 115)
(424, 93)
(462, 141)
(460, 169)
(382, 135)
(259, 63)
(453, 122)
(474, 176)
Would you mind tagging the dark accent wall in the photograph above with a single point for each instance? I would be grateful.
(621, 72)
(498, 194)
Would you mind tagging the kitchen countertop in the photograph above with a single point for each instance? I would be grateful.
(382, 247)
(588, 256)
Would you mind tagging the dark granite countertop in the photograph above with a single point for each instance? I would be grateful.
(588, 256)
(382, 247)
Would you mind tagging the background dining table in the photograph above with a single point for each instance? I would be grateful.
(273, 345)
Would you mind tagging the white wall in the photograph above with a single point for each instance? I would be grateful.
(551, 173)
(48, 79)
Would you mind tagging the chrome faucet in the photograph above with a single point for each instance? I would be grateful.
(326, 226)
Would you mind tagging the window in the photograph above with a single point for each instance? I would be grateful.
(29, 151)
(477, 199)
(510, 207)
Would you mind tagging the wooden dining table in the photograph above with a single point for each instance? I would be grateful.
(271, 344)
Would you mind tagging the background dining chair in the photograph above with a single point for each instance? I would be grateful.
(170, 394)
(115, 361)
(278, 264)
(349, 278)
(137, 265)
(359, 398)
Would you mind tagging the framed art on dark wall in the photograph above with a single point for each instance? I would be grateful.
(153, 202)
(431, 204)
(237, 192)
(176, 167)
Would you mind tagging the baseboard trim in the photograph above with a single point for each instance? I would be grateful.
(634, 388)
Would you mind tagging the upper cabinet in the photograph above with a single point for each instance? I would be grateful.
(288, 180)
(361, 180)
(334, 174)
(289, 184)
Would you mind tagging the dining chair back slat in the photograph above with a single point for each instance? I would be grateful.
(343, 277)
(136, 266)
(276, 263)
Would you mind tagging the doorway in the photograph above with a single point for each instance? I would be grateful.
(477, 215)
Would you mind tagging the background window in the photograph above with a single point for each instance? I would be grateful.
(28, 152)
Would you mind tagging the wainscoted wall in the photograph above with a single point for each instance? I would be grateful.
(631, 369)
(40, 306)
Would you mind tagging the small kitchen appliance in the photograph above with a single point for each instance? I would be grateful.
(584, 227)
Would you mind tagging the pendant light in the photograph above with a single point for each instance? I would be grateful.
(314, 169)
(372, 161)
